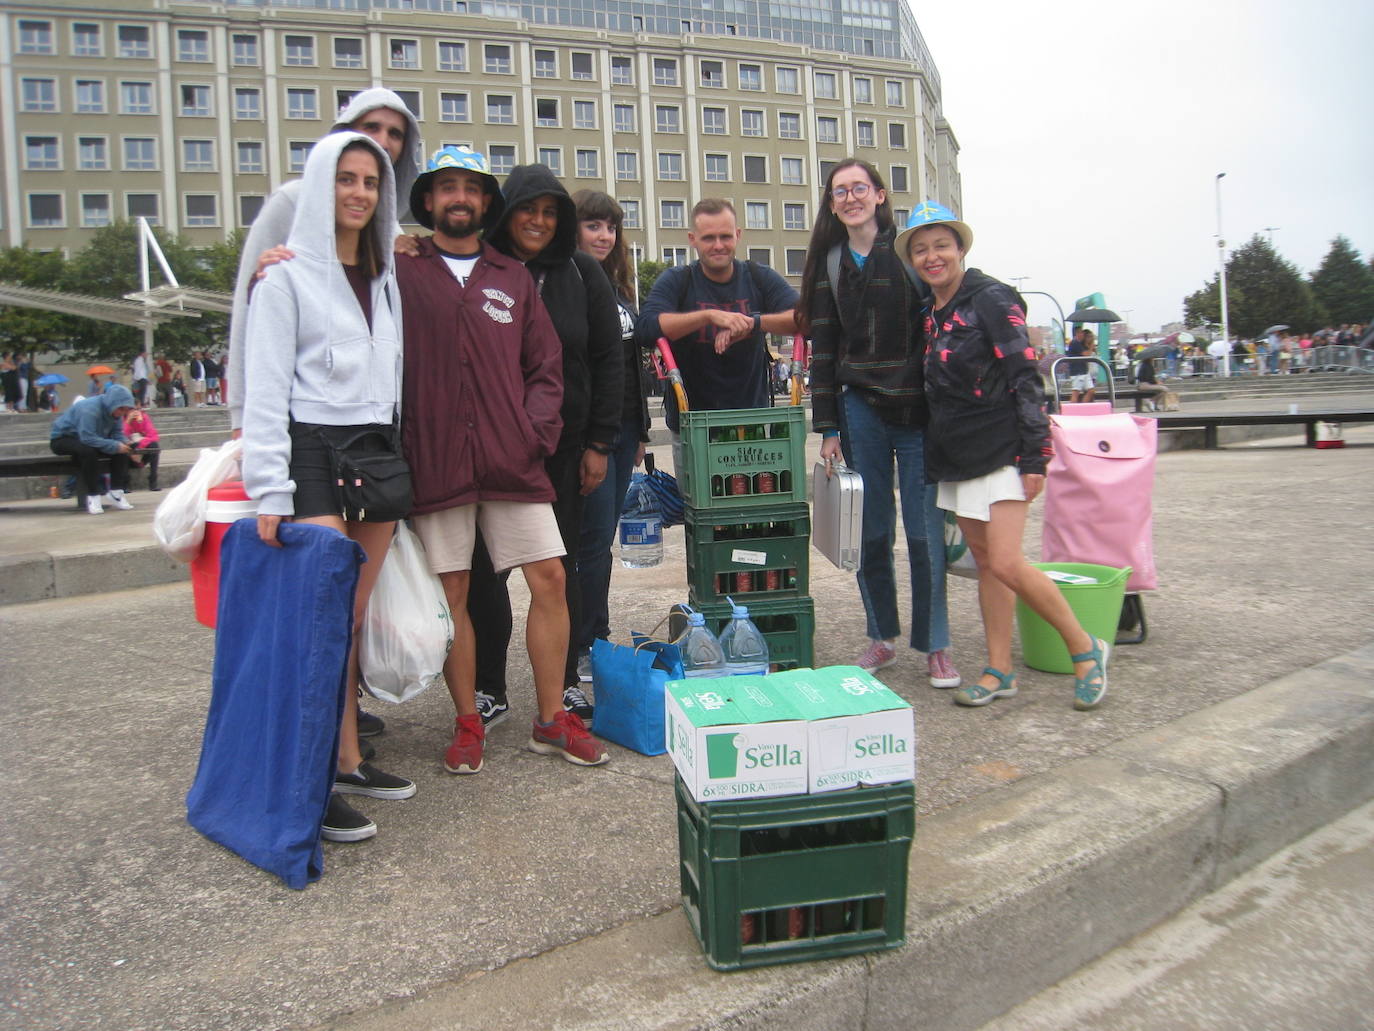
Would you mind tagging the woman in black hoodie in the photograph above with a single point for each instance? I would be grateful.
(539, 227)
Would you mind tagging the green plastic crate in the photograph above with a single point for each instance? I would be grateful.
(716, 461)
(787, 624)
(763, 545)
(800, 877)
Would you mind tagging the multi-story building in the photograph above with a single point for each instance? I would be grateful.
(190, 113)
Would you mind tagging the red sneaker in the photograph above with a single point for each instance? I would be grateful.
(567, 736)
(464, 755)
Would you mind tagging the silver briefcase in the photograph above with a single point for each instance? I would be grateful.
(838, 514)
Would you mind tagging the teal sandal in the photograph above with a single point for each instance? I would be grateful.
(977, 694)
(1088, 691)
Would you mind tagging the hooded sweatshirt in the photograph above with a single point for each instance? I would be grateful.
(275, 219)
(983, 385)
(309, 354)
(581, 303)
(93, 422)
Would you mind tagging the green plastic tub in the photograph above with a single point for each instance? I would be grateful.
(1097, 606)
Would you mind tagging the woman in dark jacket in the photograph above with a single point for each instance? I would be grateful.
(539, 227)
(987, 445)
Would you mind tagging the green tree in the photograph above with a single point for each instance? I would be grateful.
(1261, 290)
(649, 271)
(32, 329)
(1344, 285)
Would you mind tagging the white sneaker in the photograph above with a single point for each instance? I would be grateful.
(116, 499)
(93, 505)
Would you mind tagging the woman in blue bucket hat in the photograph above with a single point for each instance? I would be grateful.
(988, 445)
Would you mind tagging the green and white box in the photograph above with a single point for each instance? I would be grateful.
(859, 732)
(732, 738)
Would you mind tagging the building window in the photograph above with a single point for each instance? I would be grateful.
(896, 94)
(552, 159)
(796, 260)
(197, 156)
(717, 168)
(546, 64)
(90, 96)
(500, 109)
(751, 123)
(665, 71)
(631, 219)
(864, 135)
(453, 57)
(900, 216)
(411, 99)
(825, 86)
(202, 209)
(35, 37)
(713, 74)
(546, 112)
(193, 45)
(582, 68)
(95, 210)
(713, 121)
(760, 256)
(247, 102)
(143, 205)
(248, 160)
(794, 216)
(667, 118)
(789, 125)
(405, 53)
(584, 114)
(863, 90)
(249, 206)
(896, 135)
(899, 179)
(38, 95)
(624, 117)
(86, 42)
(792, 171)
(133, 41)
(826, 168)
(347, 52)
(626, 165)
(136, 98)
(674, 255)
(300, 51)
(92, 154)
(40, 154)
(344, 97)
(755, 215)
(788, 80)
(496, 59)
(622, 71)
(827, 129)
(750, 77)
(672, 214)
(296, 153)
(670, 166)
(140, 154)
(195, 101)
(245, 50)
(501, 156)
(45, 210)
(755, 168)
(453, 107)
(302, 103)
(589, 164)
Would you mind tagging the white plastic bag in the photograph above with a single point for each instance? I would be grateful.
(407, 630)
(179, 522)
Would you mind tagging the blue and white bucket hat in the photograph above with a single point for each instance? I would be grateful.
(465, 159)
(931, 214)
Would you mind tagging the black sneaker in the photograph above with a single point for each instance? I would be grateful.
(366, 750)
(344, 823)
(369, 725)
(575, 701)
(492, 709)
(370, 781)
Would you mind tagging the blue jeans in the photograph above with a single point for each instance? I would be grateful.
(600, 514)
(871, 447)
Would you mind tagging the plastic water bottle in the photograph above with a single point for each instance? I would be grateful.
(701, 652)
(641, 527)
(746, 650)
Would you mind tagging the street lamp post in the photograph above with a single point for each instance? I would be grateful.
(1221, 254)
(1063, 326)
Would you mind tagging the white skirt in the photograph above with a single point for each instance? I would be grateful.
(973, 499)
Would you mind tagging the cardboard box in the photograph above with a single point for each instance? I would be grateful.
(859, 732)
(730, 737)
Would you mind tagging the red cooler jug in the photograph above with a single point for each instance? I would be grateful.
(228, 503)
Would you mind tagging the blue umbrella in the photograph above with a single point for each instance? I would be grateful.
(50, 379)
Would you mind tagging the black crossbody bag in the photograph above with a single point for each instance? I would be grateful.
(371, 484)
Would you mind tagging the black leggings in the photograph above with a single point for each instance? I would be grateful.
(89, 460)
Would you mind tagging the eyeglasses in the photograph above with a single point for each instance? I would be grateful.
(858, 190)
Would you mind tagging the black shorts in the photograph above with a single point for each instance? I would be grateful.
(312, 466)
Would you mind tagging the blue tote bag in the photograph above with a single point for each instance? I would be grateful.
(268, 755)
(628, 686)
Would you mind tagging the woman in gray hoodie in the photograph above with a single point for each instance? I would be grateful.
(322, 357)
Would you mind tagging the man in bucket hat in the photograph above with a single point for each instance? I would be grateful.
(483, 386)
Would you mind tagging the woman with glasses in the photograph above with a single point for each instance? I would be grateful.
(862, 311)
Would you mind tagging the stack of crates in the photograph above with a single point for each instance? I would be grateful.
(748, 524)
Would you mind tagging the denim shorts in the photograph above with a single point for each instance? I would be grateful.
(312, 466)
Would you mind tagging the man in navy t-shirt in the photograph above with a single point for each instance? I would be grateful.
(716, 313)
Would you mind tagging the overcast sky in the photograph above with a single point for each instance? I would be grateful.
(1091, 134)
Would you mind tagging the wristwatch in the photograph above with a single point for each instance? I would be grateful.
(603, 450)
(758, 321)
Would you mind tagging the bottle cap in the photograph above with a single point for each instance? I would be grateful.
(737, 611)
